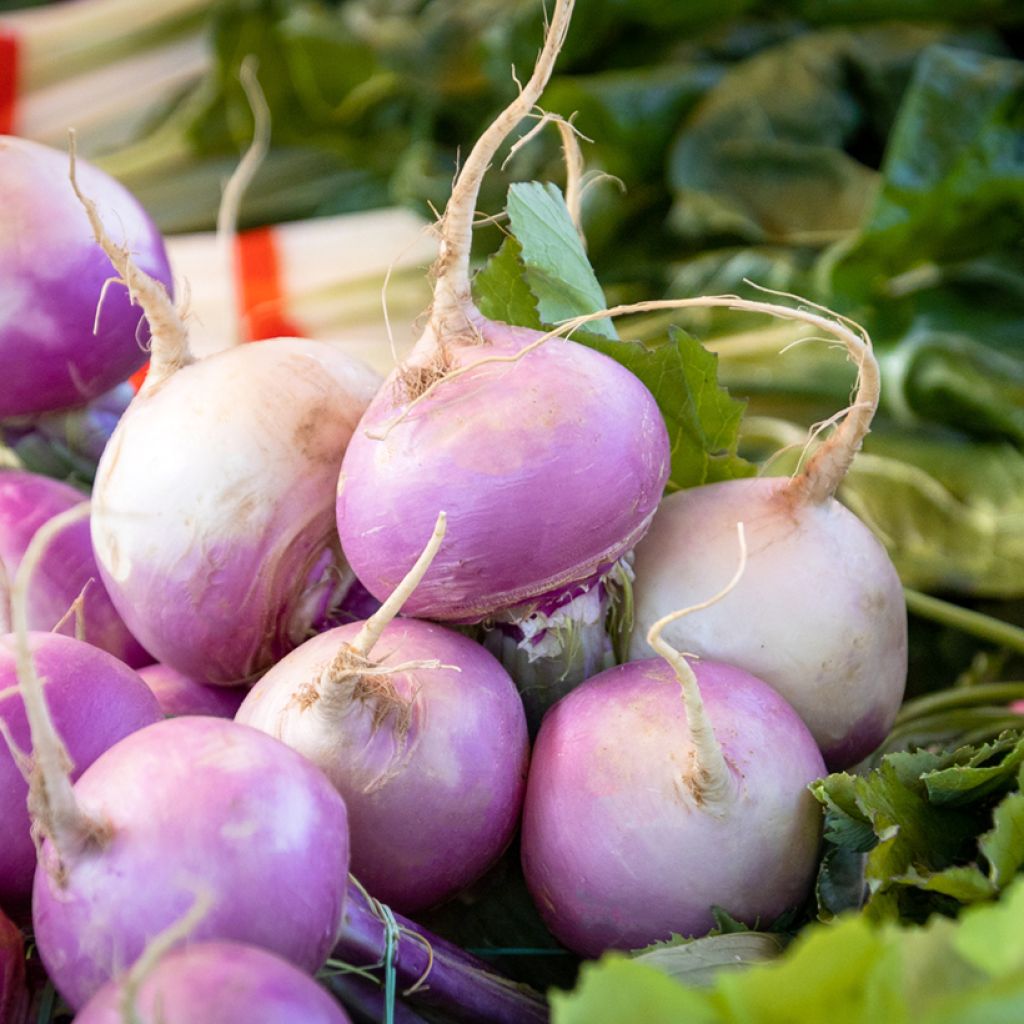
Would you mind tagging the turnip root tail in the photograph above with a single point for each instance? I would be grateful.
(374, 626)
(169, 349)
(711, 781)
(154, 952)
(51, 800)
(368, 679)
(572, 155)
(240, 180)
(825, 470)
(452, 289)
(77, 609)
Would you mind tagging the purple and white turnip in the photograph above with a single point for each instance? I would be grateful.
(421, 731)
(660, 789)
(549, 458)
(213, 506)
(65, 590)
(819, 613)
(214, 983)
(67, 332)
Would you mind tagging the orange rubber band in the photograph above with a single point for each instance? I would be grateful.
(8, 81)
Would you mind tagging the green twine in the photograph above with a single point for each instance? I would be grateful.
(391, 934)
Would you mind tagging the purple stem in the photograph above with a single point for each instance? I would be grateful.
(444, 976)
(365, 1001)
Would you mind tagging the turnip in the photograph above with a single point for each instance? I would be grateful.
(646, 807)
(819, 613)
(67, 570)
(60, 345)
(93, 698)
(181, 806)
(178, 694)
(549, 459)
(213, 507)
(186, 803)
(426, 741)
(214, 983)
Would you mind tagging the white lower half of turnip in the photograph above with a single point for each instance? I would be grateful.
(818, 614)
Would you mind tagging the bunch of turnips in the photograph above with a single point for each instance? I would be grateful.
(315, 558)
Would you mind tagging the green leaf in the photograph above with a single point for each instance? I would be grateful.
(840, 883)
(1003, 845)
(616, 989)
(951, 514)
(964, 884)
(698, 962)
(702, 419)
(501, 291)
(941, 829)
(846, 824)
(991, 938)
(555, 264)
(845, 973)
(976, 773)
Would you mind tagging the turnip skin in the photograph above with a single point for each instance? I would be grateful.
(178, 694)
(218, 983)
(213, 508)
(616, 850)
(54, 273)
(549, 468)
(430, 810)
(186, 805)
(819, 613)
(94, 700)
(67, 568)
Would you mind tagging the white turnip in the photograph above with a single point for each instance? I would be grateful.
(213, 507)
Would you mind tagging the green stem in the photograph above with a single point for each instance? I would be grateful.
(960, 697)
(984, 627)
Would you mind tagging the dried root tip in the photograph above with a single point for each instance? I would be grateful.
(169, 350)
(414, 381)
(55, 812)
(823, 473)
(709, 779)
(452, 289)
(375, 625)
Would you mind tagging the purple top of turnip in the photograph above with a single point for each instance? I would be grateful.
(67, 568)
(54, 275)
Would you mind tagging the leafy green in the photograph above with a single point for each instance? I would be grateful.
(852, 971)
(938, 829)
(950, 514)
(554, 264)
